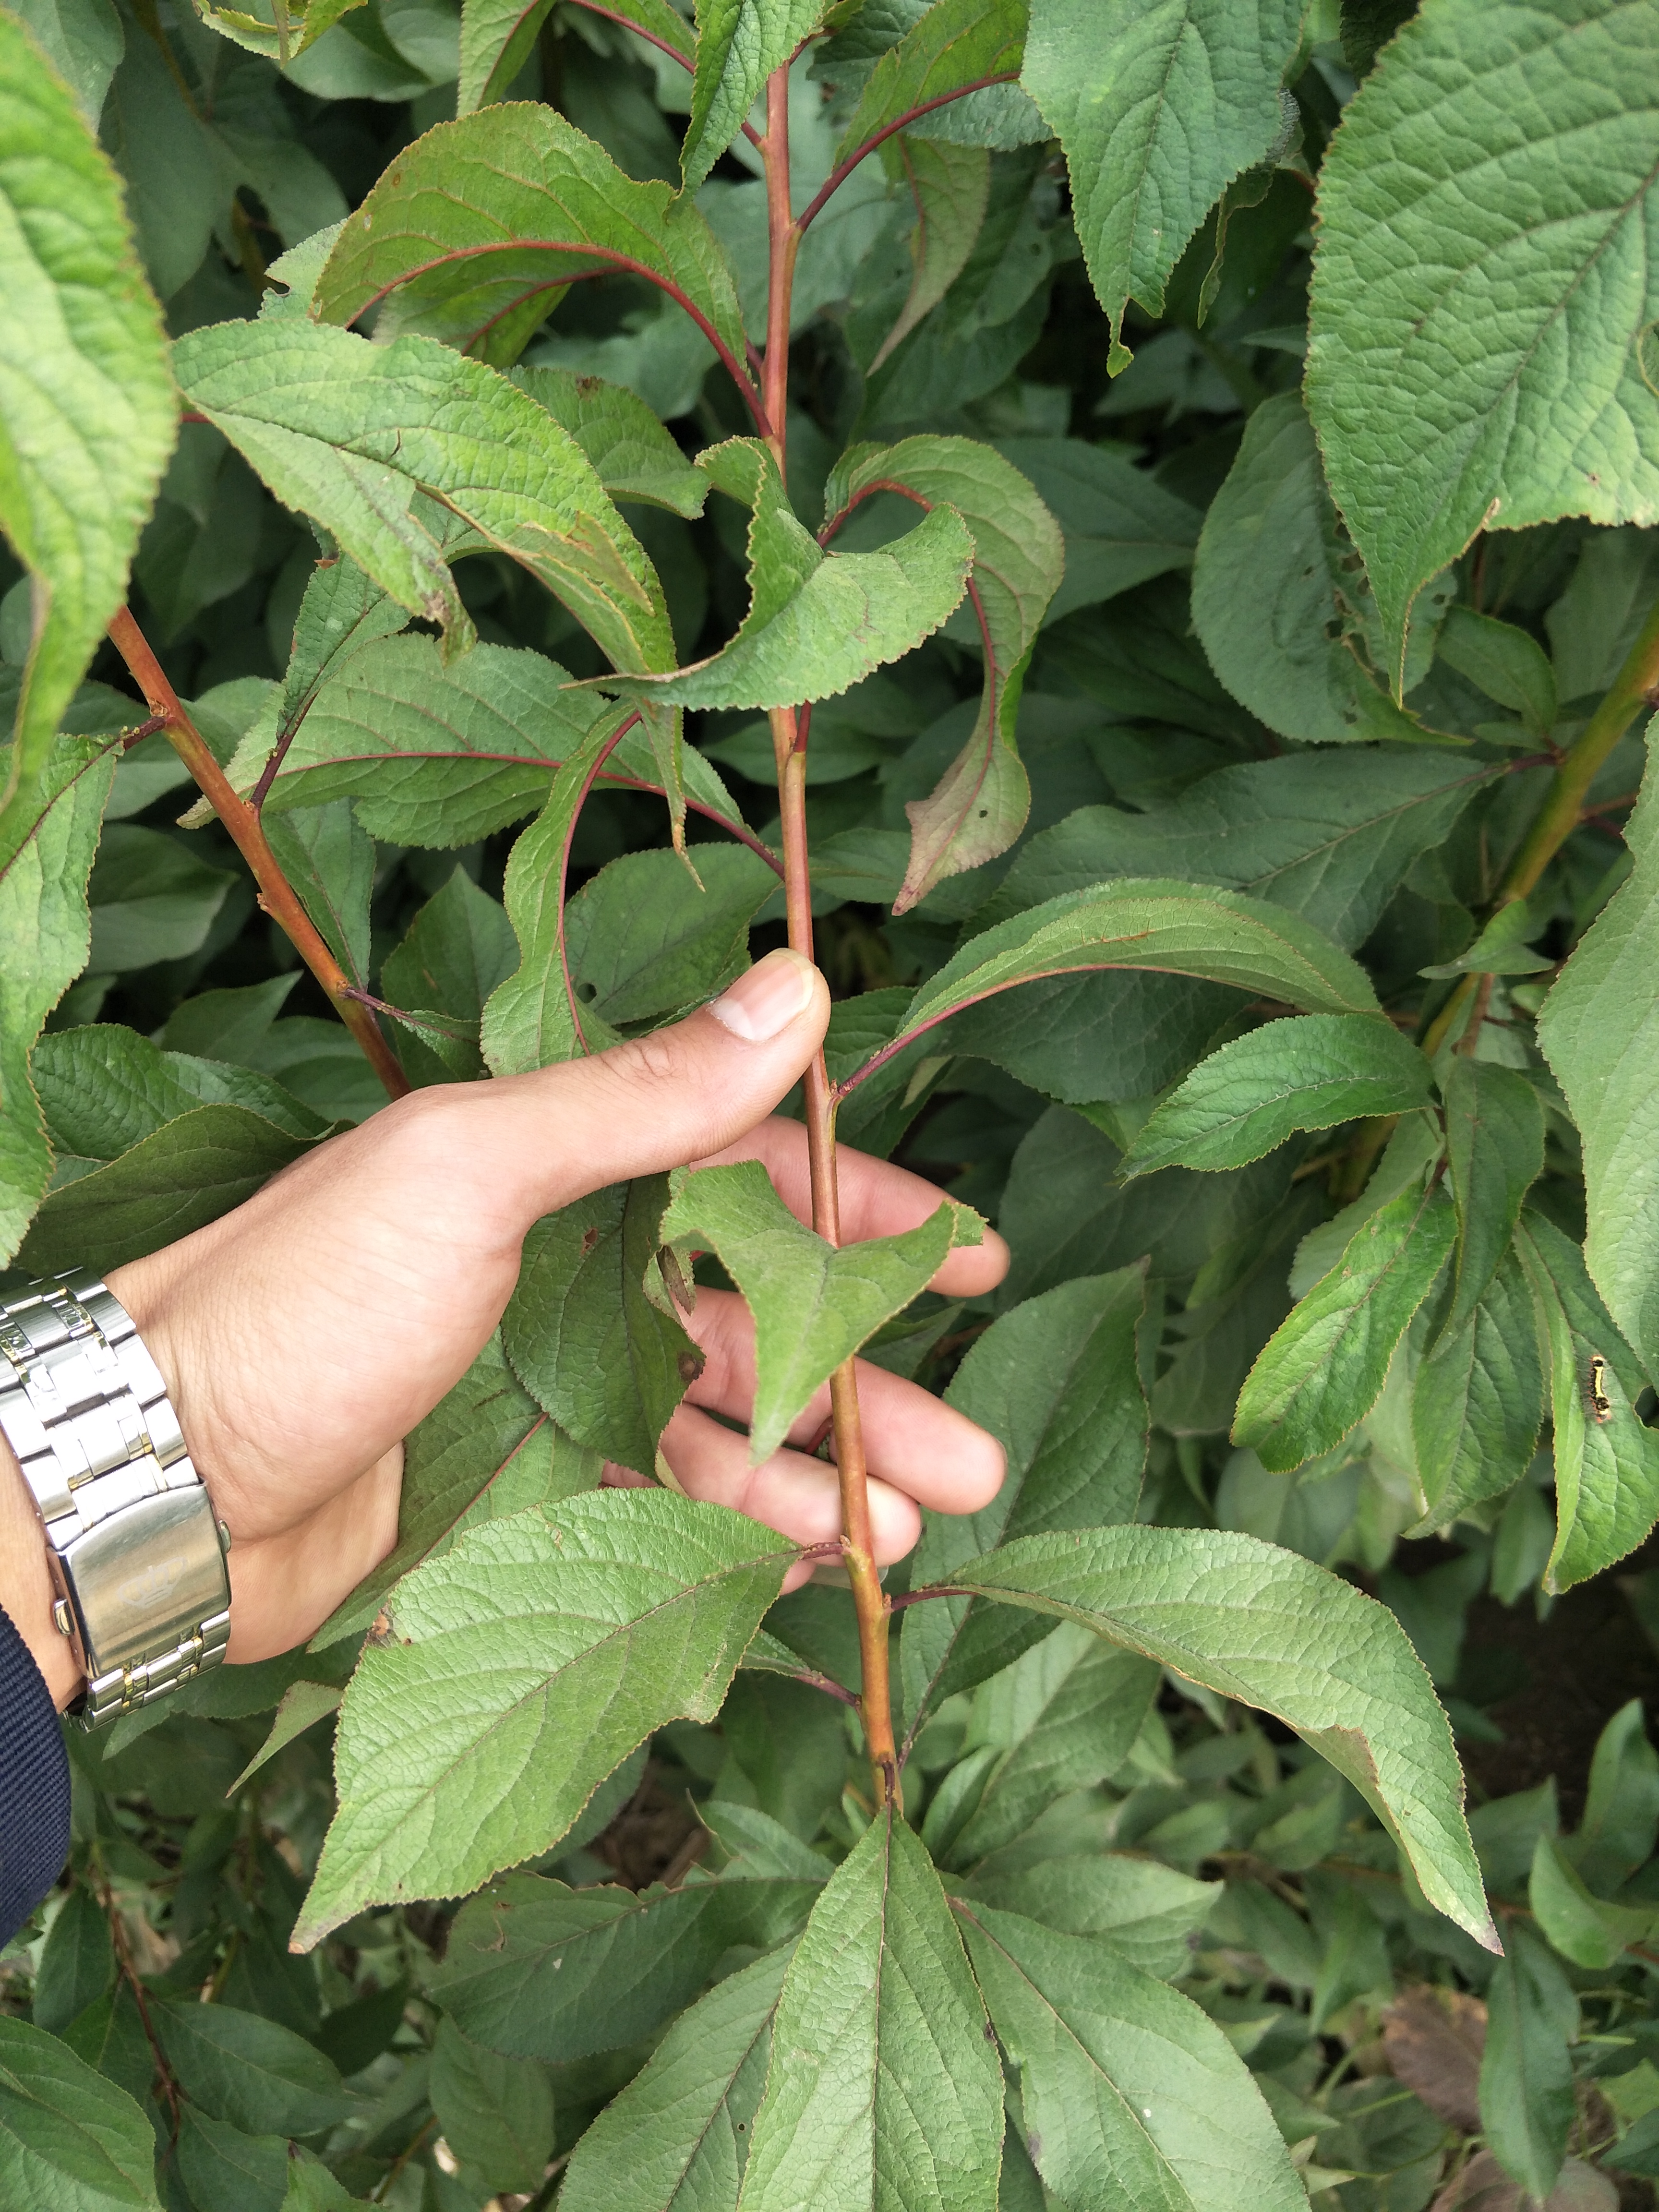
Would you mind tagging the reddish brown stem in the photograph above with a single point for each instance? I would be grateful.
(789, 735)
(276, 895)
(124, 1959)
(838, 177)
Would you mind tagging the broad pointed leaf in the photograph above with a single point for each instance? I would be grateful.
(496, 2112)
(538, 1971)
(1157, 108)
(1280, 599)
(677, 2140)
(1056, 1382)
(497, 35)
(1147, 1911)
(1494, 1154)
(1598, 1030)
(1308, 1074)
(87, 411)
(1607, 1460)
(1329, 836)
(817, 623)
(813, 1305)
(955, 44)
(981, 801)
(472, 230)
(1527, 2103)
(1184, 929)
(739, 43)
(1323, 1368)
(539, 1651)
(952, 187)
(582, 1335)
(282, 36)
(1128, 2093)
(1438, 410)
(348, 432)
(1478, 1401)
(883, 2089)
(633, 456)
(1268, 1627)
(47, 840)
(68, 2138)
(249, 2071)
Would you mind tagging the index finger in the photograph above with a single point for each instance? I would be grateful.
(877, 1200)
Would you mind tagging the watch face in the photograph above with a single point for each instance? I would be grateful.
(145, 1576)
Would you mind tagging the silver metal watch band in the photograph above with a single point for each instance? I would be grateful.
(136, 1555)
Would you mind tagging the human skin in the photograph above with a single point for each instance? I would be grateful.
(305, 1334)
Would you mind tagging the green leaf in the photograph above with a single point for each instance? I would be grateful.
(189, 1172)
(882, 2088)
(1148, 1913)
(677, 2139)
(1184, 929)
(539, 1970)
(1581, 1928)
(348, 433)
(497, 36)
(47, 848)
(1280, 599)
(951, 186)
(69, 2140)
(220, 2165)
(1252, 1622)
(1478, 1401)
(1494, 1154)
(151, 898)
(644, 937)
(427, 242)
(541, 1649)
(980, 804)
(1438, 412)
(1122, 525)
(78, 1963)
(1526, 2070)
(582, 1335)
(952, 45)
(1621, 1804)
(1507, 664)
(813, 1305)
(1323, 1368)
(1307, 1073)
(1596, 1030)
(252, 2073)
(1158, 109)
(1056, 1383)
(633, 456)
(485, 1450)
(327, 855)
(1127, 2091)
(1329, 836)
(817, 623)
(88, 410)
(458, 947)
(1064, 1718)
(1501, 948)
(1607, 1461)
(532, 1019)
(739, 43)
(303, 1704)
(497, 2113)
(83, 40)
(442, 755)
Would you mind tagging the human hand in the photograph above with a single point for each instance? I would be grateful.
(305, 1334)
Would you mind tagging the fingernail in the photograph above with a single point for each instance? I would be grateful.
(768, 998)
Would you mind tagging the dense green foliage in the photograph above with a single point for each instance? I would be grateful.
(1205, 566)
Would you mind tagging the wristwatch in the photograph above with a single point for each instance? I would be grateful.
(136, 1555)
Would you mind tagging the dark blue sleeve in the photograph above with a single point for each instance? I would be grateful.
(34, 1785)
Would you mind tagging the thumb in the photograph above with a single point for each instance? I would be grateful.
(659, 1101)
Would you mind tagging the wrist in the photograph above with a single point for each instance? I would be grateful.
(25, 1591)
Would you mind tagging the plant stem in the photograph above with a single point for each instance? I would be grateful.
(789, 731)
(1635, 686)
(276, 895)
